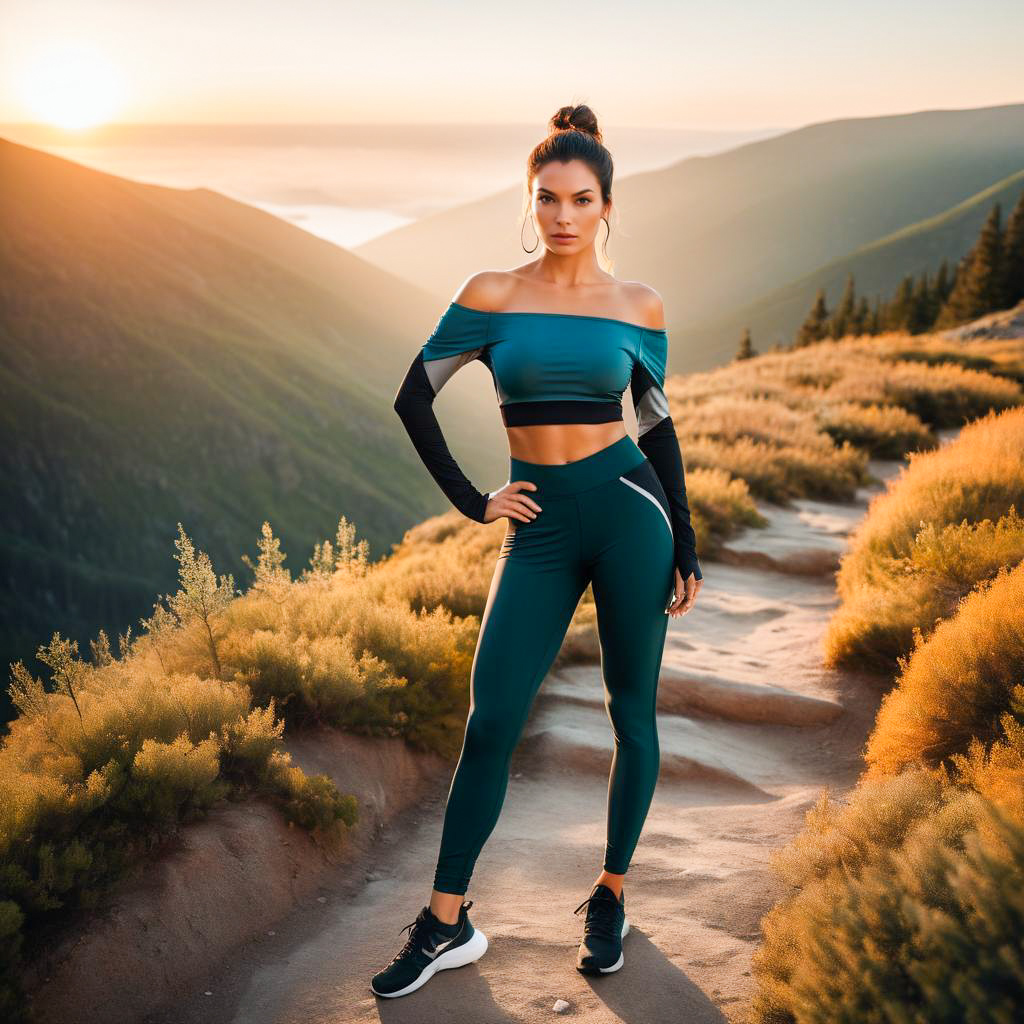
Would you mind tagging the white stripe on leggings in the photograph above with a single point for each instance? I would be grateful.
(650, 497)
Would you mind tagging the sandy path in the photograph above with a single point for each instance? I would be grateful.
(752, 728)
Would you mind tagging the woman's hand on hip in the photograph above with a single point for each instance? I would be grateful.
(510, 502)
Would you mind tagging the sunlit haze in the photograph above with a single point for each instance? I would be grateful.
(684, 64)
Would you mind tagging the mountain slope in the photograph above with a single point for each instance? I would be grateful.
(171, 355)
(877, 268)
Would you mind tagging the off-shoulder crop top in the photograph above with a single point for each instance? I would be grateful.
(549, 368)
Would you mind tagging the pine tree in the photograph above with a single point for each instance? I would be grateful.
(980, 286)
(875, 322)
(746, 349)
(842, 318)
(814, 327)
(919, 316)
(1013, 245)
(940, 292)
(954, 275)
(990, 265)
(943, 281)
(861, 317)
(898, 311)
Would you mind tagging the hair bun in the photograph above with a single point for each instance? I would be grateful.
(579, 118)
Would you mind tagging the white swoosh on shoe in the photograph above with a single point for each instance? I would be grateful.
(441, 946)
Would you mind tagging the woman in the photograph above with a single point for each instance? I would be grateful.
(585, 504)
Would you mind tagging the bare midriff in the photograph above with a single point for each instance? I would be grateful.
(555, 444)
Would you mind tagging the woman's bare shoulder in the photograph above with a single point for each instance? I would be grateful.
(486, 290)
(648, 307)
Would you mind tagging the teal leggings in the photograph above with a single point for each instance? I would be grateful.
(605, 521)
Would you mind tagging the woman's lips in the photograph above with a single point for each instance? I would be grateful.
(564, 238)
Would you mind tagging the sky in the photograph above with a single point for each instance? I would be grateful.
(683, 63)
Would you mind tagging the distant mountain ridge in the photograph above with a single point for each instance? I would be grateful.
(717, 233)
(877, 267)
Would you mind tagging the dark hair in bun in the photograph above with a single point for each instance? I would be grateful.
(574, 135)
(582, 118)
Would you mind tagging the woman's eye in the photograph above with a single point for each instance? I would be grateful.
(584, 199)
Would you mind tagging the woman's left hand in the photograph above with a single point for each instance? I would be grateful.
(684, 595)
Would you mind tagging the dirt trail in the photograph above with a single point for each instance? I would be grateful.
(752, 728)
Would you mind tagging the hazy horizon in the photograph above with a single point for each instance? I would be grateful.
(350, 183)
(347, 183)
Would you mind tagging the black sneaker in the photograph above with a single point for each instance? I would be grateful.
(432, 946)
(606, 926)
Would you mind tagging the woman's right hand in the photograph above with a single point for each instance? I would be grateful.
(513, 504)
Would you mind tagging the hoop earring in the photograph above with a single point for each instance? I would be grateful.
(606, 237)
(522, 243)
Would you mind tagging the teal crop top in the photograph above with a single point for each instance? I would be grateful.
(545, 364)
(549, 368)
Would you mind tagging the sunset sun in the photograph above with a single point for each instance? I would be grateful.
(72, 86)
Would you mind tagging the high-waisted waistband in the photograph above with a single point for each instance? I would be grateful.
(582, 474)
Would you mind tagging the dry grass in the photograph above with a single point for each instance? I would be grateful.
(804, 423)
(904, 906)
(946, 524)
(906, 899)
(958, 684)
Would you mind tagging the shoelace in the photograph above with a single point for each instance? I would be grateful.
(417, 937)
(601, 917)
(421, 928)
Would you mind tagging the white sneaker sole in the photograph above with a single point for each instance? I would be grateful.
(622, 957)
(458, 957)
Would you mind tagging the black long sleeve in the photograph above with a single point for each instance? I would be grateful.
(414, 405)
(657, 440)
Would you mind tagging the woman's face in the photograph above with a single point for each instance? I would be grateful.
(566, 201)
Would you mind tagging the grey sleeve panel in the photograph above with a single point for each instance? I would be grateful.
(651, 409)
(440, 371)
